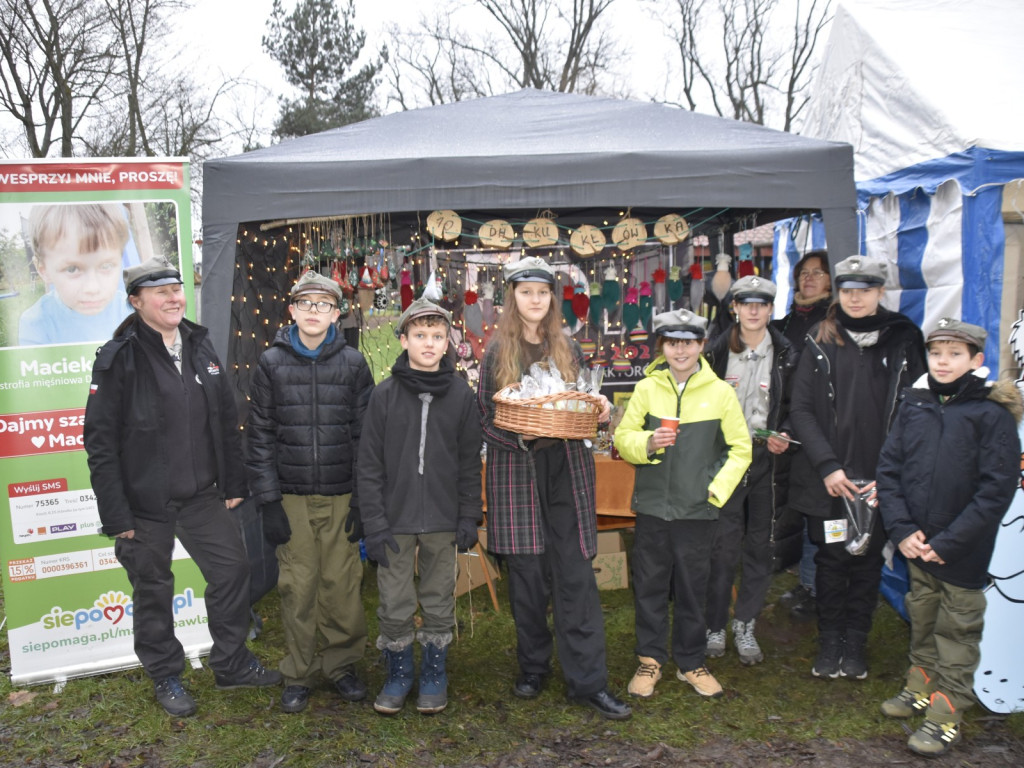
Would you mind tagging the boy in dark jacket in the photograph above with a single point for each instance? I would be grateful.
(309, 393)
(946, 476)
(419, 485)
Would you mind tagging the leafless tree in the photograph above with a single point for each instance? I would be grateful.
(57, 61)
(757, 73)
(557, 45)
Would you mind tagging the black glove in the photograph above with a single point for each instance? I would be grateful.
(354, 524)
(275, 523)
(377, 546)
(465, 533)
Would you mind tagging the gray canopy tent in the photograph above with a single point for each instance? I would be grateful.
(524, 152)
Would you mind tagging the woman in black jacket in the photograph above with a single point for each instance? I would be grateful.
(845, 392)
(165, 460)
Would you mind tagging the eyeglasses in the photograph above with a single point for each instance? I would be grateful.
(815, 273)
(314, 306)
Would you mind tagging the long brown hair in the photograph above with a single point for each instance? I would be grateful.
(828, 330)
(509, 335)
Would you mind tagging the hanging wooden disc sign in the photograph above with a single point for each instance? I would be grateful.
(540, 232)
(496, 233)
(444, 225)
(671, 229)
(629, 233)
(587, 240)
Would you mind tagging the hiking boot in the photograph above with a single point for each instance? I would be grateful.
(855, 658)
(294, 698)
(254, 676)
(433, 691)
(746, 643)
(350, 687)
(805, 610)
(647, 676)
(716, 644)
(905, 704)
(400, 665)
(702, 680)
(797, 594)
(830, 655)
(174, 698)
(934, 738)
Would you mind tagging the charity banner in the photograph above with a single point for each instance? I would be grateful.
(67, 230)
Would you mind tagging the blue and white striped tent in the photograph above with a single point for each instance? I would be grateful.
(936, 140)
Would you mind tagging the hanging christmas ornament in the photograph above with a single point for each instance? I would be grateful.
(405, 283)
(620, 363)
(472, 314)
(721, 281)
(675, 284)
(696, 286)
(432, 289)
(588, 347)
(581, 305)
(380, 298)
(567, 311)
(659, 290)
(596, 305)
(631, 308)
(745, 266)
(611, 293)
(487, 306)
(646, 304)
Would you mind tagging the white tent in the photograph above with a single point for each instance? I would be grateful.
(923, 91)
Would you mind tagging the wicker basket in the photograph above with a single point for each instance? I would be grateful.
(530, 417)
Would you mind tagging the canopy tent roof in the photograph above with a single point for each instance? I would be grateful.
(519, 154)
(909, 82)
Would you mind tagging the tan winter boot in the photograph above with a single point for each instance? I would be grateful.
(647, 676)
(913, 699)
(940, 731)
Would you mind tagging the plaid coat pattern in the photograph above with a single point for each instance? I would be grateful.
(513, 506)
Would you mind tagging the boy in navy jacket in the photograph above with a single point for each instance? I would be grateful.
(946, 476)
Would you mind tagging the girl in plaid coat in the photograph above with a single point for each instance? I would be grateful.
(541, 509)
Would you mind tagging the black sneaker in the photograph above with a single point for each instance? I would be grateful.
(255, 676)
(294, 698)
(174, 698)
(797, 594)
(855, 659)
(606, 704)
(350, 687)
(830, 655)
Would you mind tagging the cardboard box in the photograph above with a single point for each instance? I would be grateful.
(610, 566)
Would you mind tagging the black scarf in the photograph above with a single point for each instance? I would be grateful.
(879, 321)
(954, 387)
(434, 383)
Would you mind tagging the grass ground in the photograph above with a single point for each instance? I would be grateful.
(112, 720)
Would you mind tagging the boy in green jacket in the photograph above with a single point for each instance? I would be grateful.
(684, 474)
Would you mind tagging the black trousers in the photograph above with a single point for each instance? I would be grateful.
(671, 554)
(213, 538)
(846, 585)
(561, 575)
(744, 535)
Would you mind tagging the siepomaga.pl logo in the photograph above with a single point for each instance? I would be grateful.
(111, 608)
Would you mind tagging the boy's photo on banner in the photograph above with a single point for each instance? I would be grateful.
(68, 228)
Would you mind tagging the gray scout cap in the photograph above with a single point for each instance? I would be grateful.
(680, 324)
(532, 269)
(951, 329)
(421, 308)
(149, 274)
(313, 282)
(753, 290)
(861, 272)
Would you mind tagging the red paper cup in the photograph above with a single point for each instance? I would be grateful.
(670, 422)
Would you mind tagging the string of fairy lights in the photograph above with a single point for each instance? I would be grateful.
(623, 282)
